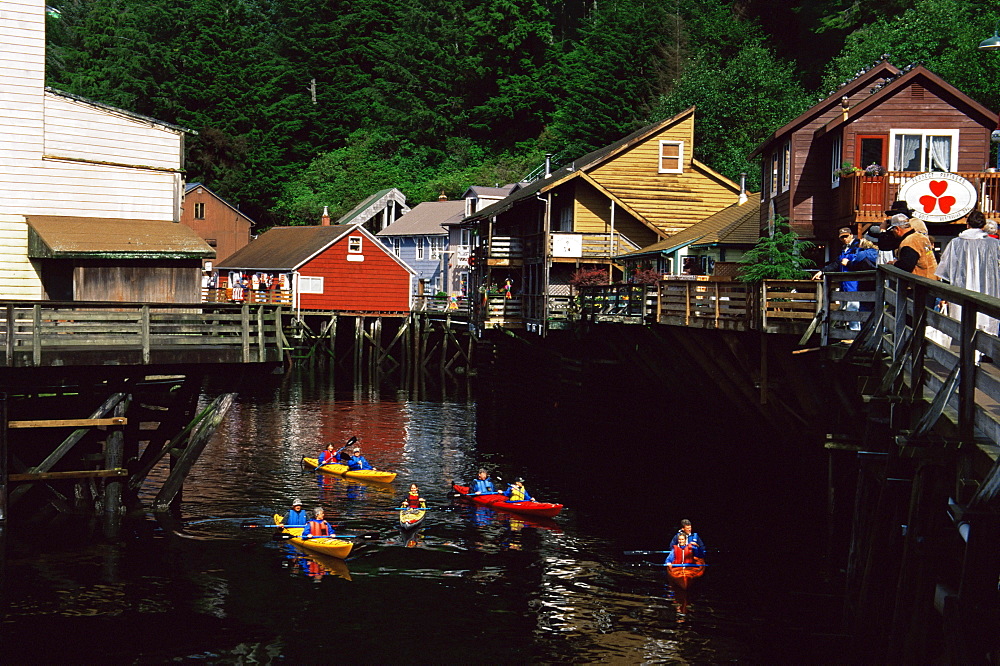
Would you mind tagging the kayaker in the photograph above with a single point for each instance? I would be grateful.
(414, 500)
(296, 516)
(327, 456)
(683, 552)
(482, 485)
(317, 527)
(358, 461)
(517, 492)
(691, 535)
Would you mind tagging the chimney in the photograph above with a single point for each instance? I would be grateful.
(548, 164)
(743, 189)
(442, 196)
(325, 220)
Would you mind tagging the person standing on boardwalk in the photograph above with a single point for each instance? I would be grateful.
(972, 261)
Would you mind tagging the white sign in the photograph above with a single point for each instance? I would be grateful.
(939, 196)
(567, 245)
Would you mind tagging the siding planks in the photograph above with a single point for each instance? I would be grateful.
(377, 284)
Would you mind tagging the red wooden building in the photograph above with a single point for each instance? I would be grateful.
(843, 162)
(341, 268)
(218, 222)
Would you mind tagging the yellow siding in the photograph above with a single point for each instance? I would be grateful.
(672, 202)
(592, 213)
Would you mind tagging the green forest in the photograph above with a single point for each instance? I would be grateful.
(299, 104)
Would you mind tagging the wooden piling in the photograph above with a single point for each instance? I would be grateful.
(114, 454)
(3, 457)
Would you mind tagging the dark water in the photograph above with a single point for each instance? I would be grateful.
(473, 584)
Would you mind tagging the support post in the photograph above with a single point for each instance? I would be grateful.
(967, 376)
(3, 457)
(114, 448)
(144, 322)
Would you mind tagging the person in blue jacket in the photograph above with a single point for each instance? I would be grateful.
(358, 461)
(296, 516)
(855, 255)
(482, 485)
(517, 492)
(692, 537)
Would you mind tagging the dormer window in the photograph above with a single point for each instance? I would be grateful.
(671, 157)
(354, 244)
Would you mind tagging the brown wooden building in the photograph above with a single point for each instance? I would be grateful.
(94, 259)
(615, 200)
(217, 221)
(843, 161)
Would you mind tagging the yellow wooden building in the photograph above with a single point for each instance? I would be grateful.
(579, 216)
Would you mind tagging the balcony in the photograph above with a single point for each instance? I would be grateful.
(567, 245)
(864, 199)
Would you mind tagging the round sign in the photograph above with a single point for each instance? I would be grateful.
(939, 196)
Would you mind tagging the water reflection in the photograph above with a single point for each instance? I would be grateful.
(545, 590)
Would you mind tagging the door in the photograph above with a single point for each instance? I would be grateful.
(872, 157)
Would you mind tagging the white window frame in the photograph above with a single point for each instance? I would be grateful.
(310, 284)
(199, 210)
(785, 166)
(924, 133)
(419, 245)
(774, 173)
(836, 159)
(355, 244)
(437, 247)
(396, 245)
(679, 158)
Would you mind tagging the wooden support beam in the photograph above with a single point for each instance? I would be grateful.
(114, 455)
(68, 443)
(69, 423)
(76, 474)
(199, 439)
(3, 446)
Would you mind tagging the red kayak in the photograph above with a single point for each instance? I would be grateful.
(683, 575)
(499, 501)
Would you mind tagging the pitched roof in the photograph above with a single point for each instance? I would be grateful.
(856, 85)
(588, 161)
(190, 186)
(738, 224)
(879, 94)
(368, 207)
(288, 248)
(482, 191)
(425, 219)
(58, 237)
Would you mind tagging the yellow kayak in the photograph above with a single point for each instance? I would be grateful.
(331, 546)
(342, 470)
(411, 519)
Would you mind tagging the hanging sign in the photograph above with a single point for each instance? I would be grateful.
(939, 196)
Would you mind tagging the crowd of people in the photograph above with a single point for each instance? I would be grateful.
(971, 260)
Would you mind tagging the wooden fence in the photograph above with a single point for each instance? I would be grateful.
(48, 333)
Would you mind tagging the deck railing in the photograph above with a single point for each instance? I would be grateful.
(866, 198)
(594, 245)
(48, 333)
(444, 304)
(253, 296)
(625, 303)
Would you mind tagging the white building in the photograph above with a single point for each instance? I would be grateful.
(61, 155)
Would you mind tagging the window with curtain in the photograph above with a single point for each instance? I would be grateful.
(837, 154)
(916, 150)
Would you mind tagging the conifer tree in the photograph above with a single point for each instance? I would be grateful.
(776, 257)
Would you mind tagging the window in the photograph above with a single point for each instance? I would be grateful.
(566, 218)
(671, 157)
(774, 173)
(396, 245)
(310, 285)
(923, 150)
(212, 242)
(419, 240)
(437, 244)
(199, 211)
(786, 165)
(837, 156)
(354, 244)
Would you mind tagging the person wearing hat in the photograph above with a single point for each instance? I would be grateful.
(882, 236)
(516, 492)
(916, 252)
(856, 254)
(296, 516)
(358, 461)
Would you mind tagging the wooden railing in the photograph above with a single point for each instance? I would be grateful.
(448, 304)
(703, 304)
(254, 296)
(624, 303)
(597, 245)
(48, 333)
(506, 247)
(866, 198)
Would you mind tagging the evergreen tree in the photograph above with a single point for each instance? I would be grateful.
(776, 257)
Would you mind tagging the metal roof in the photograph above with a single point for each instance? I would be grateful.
(58, 237)
(372, 205)
(425, 219)
(285, 248)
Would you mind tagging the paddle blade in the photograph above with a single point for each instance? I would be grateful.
(281, 536)
(250, 524)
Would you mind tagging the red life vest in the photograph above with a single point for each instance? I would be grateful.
(683, 555)
(319, 528)
(413, 501)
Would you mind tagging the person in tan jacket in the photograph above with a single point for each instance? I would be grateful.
(916, 252)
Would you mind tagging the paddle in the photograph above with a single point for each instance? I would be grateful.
(252, 525)
(336, 453)
(649, 552)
